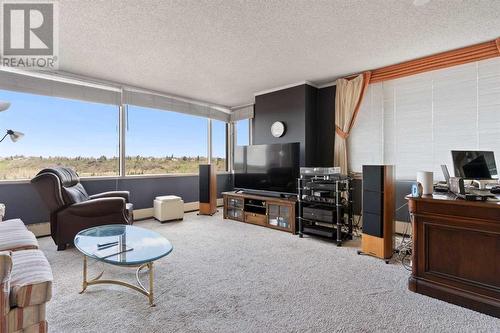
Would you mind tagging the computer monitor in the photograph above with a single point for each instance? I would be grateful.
(474, 164)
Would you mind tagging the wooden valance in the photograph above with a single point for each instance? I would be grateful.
(441, 60)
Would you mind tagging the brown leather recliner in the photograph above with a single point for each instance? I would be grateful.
(73, 210)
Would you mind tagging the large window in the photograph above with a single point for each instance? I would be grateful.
(58, 131)
(162, 142)
(86, 137)
(243, 132)
(415, 122)
(219, 144)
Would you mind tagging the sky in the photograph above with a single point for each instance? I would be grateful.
(242, 128)
(62, 127)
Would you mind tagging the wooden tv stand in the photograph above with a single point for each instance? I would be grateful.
(270, 212)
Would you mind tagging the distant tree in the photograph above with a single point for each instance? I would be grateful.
(184, 158)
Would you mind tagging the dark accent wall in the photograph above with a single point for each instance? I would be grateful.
(22, 201)
(308, 114)
(325, 126)
(310, 125)
(288, 106)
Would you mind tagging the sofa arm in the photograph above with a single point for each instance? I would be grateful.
(113, 194)
(31, 282)
(96, 207)
(5, 273)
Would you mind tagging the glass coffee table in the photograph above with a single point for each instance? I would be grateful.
(122, 245)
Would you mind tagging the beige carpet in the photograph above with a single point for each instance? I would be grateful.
(226, 276)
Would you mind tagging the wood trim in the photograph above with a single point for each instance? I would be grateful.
(464, 55)
(453, 200)
(389, 209)
(437, 61)
(476, 302)
(374, 246)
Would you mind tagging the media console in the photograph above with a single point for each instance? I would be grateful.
(270, 212)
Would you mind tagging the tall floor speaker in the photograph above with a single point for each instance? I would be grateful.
(377, 238)
(208, 189)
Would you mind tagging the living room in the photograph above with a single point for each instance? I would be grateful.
(250, 166)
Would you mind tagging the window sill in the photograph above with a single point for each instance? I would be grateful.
(171, 175)
(164, 175)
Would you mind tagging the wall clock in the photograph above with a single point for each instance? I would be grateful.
(278, 129)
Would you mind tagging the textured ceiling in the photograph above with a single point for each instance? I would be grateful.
(225, 51)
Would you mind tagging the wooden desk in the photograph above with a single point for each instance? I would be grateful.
(456, 251)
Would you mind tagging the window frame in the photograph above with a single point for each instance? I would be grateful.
(122, 127)
(227, 145)
(107, 177)
(123, 148)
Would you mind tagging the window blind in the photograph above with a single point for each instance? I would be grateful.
(241, 113)
(45, 84)
(72, 88)
(367, 134)
(415, 122)
(175, 104)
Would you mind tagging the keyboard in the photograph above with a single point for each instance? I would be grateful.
(477, 192)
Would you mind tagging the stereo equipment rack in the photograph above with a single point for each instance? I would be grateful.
(325, 206)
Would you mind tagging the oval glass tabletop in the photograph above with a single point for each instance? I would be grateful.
(119, 244)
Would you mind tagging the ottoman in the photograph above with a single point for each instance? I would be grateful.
(168, 208)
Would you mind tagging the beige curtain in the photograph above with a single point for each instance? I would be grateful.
(348, 97)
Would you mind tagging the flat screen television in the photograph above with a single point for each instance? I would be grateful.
(470, 164)
(267, 168)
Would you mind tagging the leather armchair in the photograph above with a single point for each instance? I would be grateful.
(73, 210)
